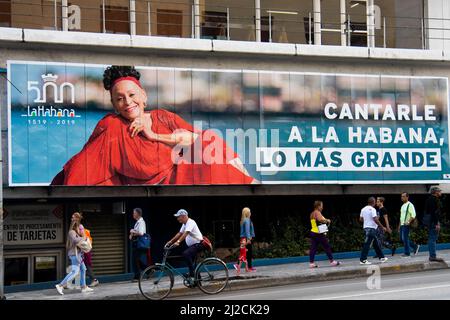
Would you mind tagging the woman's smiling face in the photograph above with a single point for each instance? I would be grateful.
(128, 99)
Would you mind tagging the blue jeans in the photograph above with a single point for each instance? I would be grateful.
(404, 237)
(432, 238)
(371, 237)
(77, 266)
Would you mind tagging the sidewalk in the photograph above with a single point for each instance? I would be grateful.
(265, 276)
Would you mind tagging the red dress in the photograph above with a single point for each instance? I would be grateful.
(112, 157)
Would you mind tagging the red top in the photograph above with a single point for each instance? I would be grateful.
(112, 157)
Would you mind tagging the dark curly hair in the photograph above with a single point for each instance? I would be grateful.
(114, 72)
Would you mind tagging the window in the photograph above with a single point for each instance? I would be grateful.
(5, 13)
(16, 271)
(33, 267)
(170, 23)
(117, 19)
(214, 25)
(44, 269)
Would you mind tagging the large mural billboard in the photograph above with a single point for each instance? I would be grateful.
(84, 124)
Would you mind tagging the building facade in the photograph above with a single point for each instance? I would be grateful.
(281, 42)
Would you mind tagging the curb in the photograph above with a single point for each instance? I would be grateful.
(267, 281)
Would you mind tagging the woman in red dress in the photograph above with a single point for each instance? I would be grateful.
(135, 147)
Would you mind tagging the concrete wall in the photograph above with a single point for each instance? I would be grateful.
(437, 15)
(195, 54)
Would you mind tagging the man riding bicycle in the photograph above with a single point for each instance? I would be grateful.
(191, 233)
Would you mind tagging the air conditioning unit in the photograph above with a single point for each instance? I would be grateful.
(119, 207)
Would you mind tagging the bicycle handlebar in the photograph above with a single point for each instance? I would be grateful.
(169, 247)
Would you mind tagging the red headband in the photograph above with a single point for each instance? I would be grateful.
(126, 78)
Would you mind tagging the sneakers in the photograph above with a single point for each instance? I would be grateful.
(60, 289)
(252, 269)
(86, 290)
(365, 262)
(417, 250)
(94, 283)
(334, 263)
(435, 259)
(313, 265)
(382, 260)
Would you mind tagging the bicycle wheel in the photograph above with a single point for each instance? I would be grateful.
(211, 275)
(156, 282)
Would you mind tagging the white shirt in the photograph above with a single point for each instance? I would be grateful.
(369, 213)
(140, 227)
(195, 236)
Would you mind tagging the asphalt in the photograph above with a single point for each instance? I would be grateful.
(264, 277)
(425, 285)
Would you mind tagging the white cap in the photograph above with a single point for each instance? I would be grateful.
(181, 212)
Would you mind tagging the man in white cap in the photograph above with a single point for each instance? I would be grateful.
(431, 221)
(191, 233)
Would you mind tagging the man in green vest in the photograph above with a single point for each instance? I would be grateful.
(407, 215)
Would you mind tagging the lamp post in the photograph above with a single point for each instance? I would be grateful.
(2, 264)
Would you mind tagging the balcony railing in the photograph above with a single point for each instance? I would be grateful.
(245, 22)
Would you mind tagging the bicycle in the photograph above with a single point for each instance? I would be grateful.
(156, 282)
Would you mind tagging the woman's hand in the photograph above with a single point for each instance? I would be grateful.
(143, 124)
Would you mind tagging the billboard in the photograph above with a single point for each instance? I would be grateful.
(33, 225)
(69, 126)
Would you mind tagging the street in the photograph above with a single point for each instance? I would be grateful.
(430, 285)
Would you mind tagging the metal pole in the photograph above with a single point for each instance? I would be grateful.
(270, 27)
(349, 35)
(258, 20)
(421, 33)
(384, 32)
(65, 15)
(133, 17)
(192, 22)
(310, 27)
(149, 19)
(2, 262)
(56, 15)
(343, 13)
(104, 16)
(228, 23)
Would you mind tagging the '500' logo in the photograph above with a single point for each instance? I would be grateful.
(58, 91)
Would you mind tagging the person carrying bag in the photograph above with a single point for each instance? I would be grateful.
(318, 235)
(140, 243)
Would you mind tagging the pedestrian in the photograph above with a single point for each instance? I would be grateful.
(247, 231)
(242, 259)
(318, 237)
(74, 237)
(87, 258)
(191, 234)
(431, 220)
(139, 254)
(370, 224)
(382, 214)
(407, 215)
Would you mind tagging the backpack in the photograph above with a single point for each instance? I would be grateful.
(88, 234)
(207, 244)
(86, 245)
